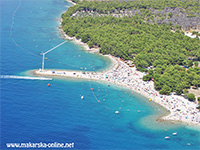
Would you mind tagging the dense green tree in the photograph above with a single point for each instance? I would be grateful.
(166, 90)
(147, 77)
(195, 82)
(185, 91)
(178, 89)
(196, 63)
(190, 63)
(90, 44)
(156, 76)
(191, 97)
(158, 85)
(170, 14)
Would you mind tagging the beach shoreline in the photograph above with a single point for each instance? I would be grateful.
(70, 2)
(77, 41)
(181, 110)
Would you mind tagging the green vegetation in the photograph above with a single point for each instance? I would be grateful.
(170, 15)
(131, 38)
(112, 5)
(198, 98)
(195, 33)
(191, 97)
(176, 77)
(122, 37)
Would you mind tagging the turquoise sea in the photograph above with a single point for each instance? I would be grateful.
(33, 112)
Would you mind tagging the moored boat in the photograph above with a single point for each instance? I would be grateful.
(117, 112)
(167, 137)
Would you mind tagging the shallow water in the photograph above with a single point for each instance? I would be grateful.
(33, 112)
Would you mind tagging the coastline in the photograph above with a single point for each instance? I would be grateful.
(181, 110)
(77, 41)
(121, 74)
(70, 2)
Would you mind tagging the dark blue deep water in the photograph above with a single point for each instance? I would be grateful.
(33, 112)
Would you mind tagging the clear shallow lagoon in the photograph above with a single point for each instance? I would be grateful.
(33, 112)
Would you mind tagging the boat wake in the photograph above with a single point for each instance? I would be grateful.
(23, 77)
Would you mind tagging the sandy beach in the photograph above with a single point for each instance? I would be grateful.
(121, 74)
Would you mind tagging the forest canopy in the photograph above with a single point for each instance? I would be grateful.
(146, 44)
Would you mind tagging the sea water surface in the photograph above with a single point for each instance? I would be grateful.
(33, 112)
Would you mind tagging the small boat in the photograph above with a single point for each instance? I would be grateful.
(82, 97)
(167, 137)
(48, 84)
(117, 112)
(175, 133)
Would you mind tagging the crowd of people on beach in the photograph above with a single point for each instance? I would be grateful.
(122, 74)
(181, 109)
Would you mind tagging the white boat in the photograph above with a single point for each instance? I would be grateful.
(82, 97)
(175, 133)
(117, 112)
(167, 137)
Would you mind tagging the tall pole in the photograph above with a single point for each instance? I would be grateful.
(43, 61)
